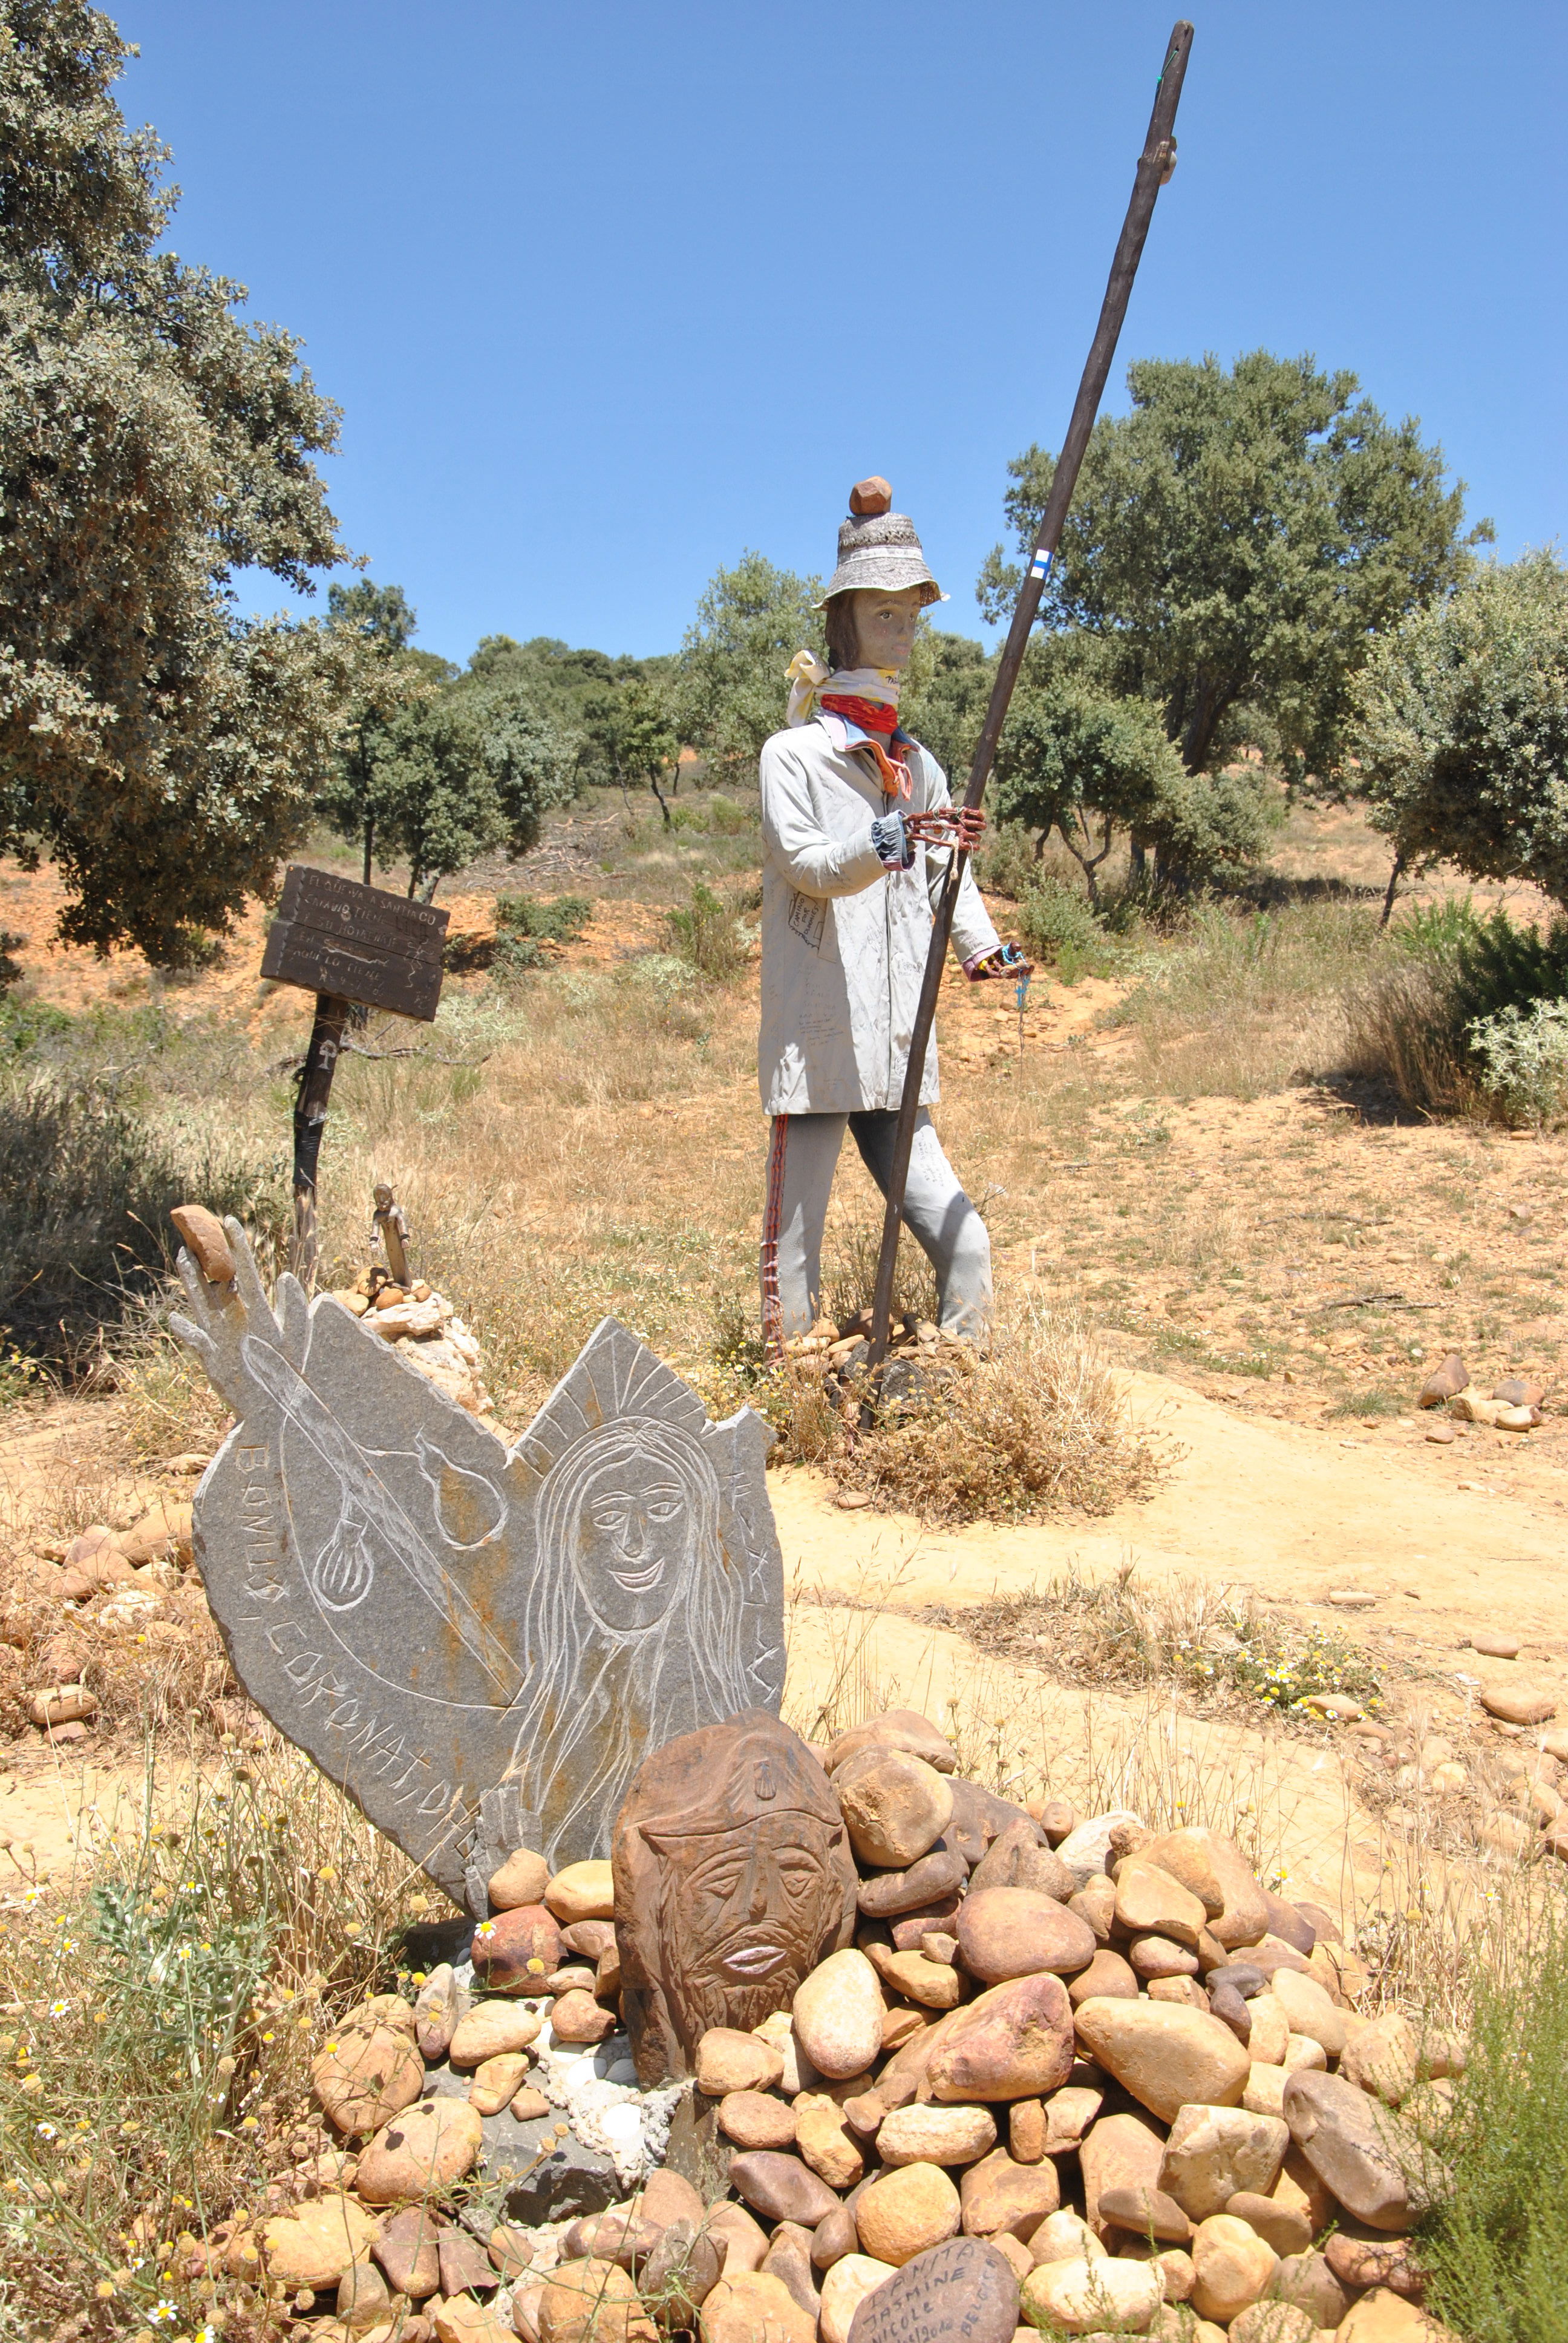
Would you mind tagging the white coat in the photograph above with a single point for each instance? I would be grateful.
(845, 939)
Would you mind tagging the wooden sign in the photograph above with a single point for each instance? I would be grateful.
(333, 936)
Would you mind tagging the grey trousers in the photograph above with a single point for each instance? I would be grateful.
(801, 1161)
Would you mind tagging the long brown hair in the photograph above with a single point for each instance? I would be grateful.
(838, 625)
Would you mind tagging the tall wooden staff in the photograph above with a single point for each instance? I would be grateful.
(1155, 166)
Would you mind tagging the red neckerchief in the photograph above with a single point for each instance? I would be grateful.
(874, 715)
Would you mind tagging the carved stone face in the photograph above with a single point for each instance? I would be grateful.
(733, 1879)
(631, 1547)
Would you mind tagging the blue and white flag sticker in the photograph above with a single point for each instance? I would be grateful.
(1040, 566)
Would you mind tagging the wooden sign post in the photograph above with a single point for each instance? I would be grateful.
(348, 944)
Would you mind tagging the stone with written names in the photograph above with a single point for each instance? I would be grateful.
(480, 1643)
(962, 2292)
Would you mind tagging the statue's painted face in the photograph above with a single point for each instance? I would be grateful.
(631, 1546)
(885, 626)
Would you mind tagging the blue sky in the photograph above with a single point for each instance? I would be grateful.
(608, 291)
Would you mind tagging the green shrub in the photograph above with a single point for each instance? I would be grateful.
(1524, 1057)
(561, 921)
(86, 1184)
(1465, 1016)
(718, 814)
(1462, 730)
(709, 935)
(525, 925)
(1057, 925)
(1006, 863)
(1495, 2249)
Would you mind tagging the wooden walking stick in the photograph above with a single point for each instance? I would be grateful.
(1155, 166)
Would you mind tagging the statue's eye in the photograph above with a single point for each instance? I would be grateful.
(664, 1509)
(719, 1879)
(610, 1517)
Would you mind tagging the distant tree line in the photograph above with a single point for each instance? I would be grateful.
(1263, 583)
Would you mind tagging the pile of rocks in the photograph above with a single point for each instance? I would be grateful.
(112, 1579)
(1512, 1405)
(1071, 2072)
(423, 1328)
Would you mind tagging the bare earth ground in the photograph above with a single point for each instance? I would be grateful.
(1273, 1266)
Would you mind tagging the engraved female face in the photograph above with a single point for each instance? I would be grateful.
(632, 1542)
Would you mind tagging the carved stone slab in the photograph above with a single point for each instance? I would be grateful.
(733, 1878)
(479, 1643)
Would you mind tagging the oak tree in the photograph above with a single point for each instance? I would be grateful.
(154, 447)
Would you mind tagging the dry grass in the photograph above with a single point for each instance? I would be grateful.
(1036, 1425)
(161, 2012)
(1216, 1644)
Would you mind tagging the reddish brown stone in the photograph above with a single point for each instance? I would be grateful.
(1108, 1976)
(515, 1951)
(1015, 2042)
(1015, 1859)
(1012, 1932)
(868, 498)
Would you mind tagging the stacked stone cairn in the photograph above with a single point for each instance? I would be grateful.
(1073, 2074)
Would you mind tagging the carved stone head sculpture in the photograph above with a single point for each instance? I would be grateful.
(733, 1878)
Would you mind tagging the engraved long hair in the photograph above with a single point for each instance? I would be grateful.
(630, 1690)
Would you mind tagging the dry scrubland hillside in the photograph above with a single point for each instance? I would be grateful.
(1228, 1257)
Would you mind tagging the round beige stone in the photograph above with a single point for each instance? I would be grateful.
(497, 2082)
(1216, 2153)
(1085, 2295)
(729, 2061)
(936, 2135)
(1310, 2010)
(907, 2212)
(521, 1879)
(844, 2290)
(491, 2029)
(837, 2010)
(1232, 2265)
(460, 2320)
(1265, 2090)
(314, 2245)
(1150, 1903)
(1065, 2236)
(1382, 2057)
(439, 2004)
(1270, 2031)
(751, 2307)
(589, 2298)
(1013, 1932)
(823, 2139)
(1273, 2322)
(1167, 2057)
(421, 2153)
(582, 1891)
(364, 2074)
(578, 2016)
(1383, 2317)
(756, 2119)
(895, 1807)
(1001, 2199)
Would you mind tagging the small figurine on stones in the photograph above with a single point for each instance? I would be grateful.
(856, 822)
(390, 1224)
